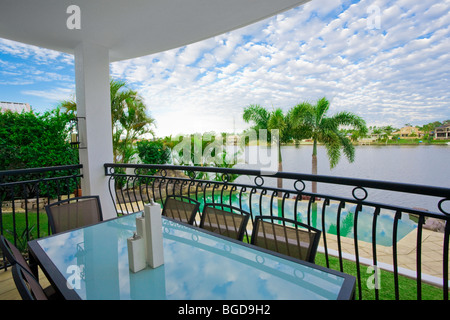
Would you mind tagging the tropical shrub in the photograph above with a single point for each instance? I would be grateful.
(29, 140)
(153, 152)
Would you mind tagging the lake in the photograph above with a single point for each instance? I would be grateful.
(416, 164)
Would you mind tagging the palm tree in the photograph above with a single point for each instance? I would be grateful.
(258, 115)
(387, 132)
(132, 122)
(378, 132)
(311, 121)
(69, 106)
(129, 119)
(275, 120)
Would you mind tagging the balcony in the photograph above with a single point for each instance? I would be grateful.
(394, 252)
(360, 236)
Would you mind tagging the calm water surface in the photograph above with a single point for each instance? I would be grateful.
(422, 165)
(419, 164)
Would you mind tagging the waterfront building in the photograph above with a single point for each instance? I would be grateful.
(14, 107)
(409, 132)
(442, 132)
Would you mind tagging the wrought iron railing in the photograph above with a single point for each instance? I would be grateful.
(23, 195)
(373, 235)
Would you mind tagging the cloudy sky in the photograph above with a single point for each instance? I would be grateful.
(387, 61)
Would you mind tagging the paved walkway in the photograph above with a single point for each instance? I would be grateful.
(432, 254)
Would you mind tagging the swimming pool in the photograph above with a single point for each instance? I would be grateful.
(384, 221)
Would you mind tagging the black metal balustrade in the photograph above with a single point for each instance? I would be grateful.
(359, 224)
(23, 195)
(372, 234)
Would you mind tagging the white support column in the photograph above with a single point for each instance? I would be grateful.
(94, 110)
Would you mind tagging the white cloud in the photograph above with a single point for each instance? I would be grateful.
(56, 94)
(393, 74)
(35, 75)
(39, 55)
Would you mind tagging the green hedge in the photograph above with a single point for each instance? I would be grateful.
(29, 140)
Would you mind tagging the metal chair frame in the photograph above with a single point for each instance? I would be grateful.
(178, 198)
(241, 228)
(69, 202)
(27, 285)
(16, 259)
(313, 245)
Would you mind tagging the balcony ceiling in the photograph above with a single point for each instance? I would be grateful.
(130, 28)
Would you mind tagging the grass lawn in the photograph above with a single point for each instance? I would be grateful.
(19, 221)
(414, 141)
(407, 286)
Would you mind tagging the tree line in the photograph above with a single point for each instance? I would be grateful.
(384, 133)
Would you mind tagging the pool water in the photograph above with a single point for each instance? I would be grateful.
(384, 223)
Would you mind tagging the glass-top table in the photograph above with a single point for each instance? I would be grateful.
(92, 263)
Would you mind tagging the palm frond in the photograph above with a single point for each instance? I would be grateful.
(350, 119)
(321, 109)
(311, 121)
(333, 151)
(256, 114)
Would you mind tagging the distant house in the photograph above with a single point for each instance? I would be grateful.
(442, 132)
(369, 138)
(14, 107)
(374, 135)
(409, 133)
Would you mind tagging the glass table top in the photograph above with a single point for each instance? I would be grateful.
(197, 266)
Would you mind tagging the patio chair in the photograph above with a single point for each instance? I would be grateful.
(73, 213)
(15, 258)
(181, 208)
(225, 220)
(27, 285)
(286, 236)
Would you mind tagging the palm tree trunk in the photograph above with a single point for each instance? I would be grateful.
(314, 166)
(280, 168)
(280, 183)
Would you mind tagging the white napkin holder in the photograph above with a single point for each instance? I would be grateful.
(140, 227)
(153, 232)
(136, 253)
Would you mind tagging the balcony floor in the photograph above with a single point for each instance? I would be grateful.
(8, 289)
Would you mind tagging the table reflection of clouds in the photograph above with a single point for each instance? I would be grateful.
(197, 266)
